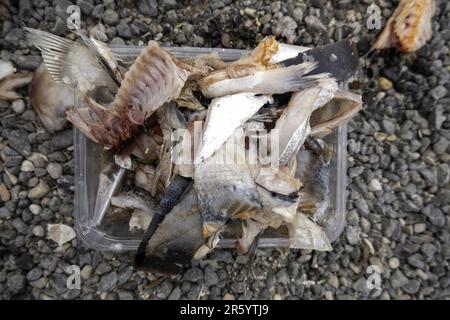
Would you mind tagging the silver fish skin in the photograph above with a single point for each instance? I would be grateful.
(293, 126)
(224, 116)
(225, 185)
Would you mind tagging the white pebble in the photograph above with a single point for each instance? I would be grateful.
(38, 231)
(35, 209)
(18, 106)
(60, 233)
(420, 227)
(375, 185)
(6, 68)
(54, 170)
(394, 263)
(27, 166)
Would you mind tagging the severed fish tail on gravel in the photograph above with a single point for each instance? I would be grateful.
(152, 80)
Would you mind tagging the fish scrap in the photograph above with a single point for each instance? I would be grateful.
(212, 144)
(409, 27)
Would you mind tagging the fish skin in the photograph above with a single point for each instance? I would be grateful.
(224, 116)
(175, 191)
(342, 67)
(294, 123)
(225, 188)
(344, 106)
(176, 240)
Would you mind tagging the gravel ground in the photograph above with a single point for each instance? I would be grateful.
(398, 191)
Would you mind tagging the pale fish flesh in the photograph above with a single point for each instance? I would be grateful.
(259, 59)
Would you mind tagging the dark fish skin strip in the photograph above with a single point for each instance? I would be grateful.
(342, 67)
(173, 193)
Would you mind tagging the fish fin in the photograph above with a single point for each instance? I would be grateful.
(54, 51)
(70, 62)
(273, 81)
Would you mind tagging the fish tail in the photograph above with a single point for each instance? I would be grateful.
(291, 79)
(54, 50)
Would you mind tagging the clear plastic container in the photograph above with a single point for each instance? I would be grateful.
(92, 201)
